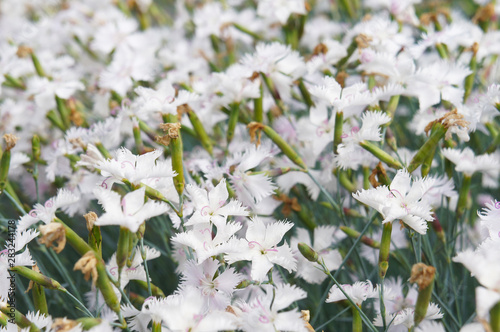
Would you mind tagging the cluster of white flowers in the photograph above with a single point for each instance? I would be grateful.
(235, 132)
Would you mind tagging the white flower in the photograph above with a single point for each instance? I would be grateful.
(211, 206)
(280, 9)
(47, 212)
(216, 288)
(250, 188)
(406, 316)
(359, 292)
(279, 63)
(490, 219)
(129, 211)
(204, 244)
(184, 311)
(483, 263)
(164, 99)
(468, 163)
(400, 201)
(437, 81)
(266, 313)
(134, 168)
(261, 248)
(350, 100)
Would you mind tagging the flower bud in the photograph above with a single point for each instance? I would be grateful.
(37, 277)
(309, 253)
(35, 147)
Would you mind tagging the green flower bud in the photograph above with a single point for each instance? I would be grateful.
(308, 252)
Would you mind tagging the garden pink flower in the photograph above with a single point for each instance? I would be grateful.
(128, 211)
(261, 248)
(401, 200)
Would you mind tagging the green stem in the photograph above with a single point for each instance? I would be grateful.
(381, 154)
(385, 247)
(337, 133)
(495, 318)
(233, 120)
(463, 196)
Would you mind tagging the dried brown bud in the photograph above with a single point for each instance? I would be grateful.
(172, 129)
(423, 275)
(341, 77)
(90, 218)
(306, 316)
(87, 264)
(78, 143)
(53, 232)
(163, 140)
(63, 324)
(363, 40)
(10, 141)
(289, 204)
(484, 14)
(320, 49)
(23, 51)
(255, 131)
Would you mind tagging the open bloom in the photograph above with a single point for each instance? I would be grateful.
(211, 206)
(267, 313)
(359, 292)
(129, 211)
(261, 248)
(400, 200)
(47, 212)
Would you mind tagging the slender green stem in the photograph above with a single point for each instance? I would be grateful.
(143, 256)
(87, 311)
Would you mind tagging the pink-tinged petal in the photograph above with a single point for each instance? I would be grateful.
(400, 185)
(282, 256)
(218, 196)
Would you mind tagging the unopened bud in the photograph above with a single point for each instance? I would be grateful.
(35, 147)
(308, 252)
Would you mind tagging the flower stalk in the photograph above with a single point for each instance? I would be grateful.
(495, 318)
(385, 245)
(381, 154)
(338, 130)
(19, 318)
(437, 133)
(423, 275)
(463, 196)
(176, 151)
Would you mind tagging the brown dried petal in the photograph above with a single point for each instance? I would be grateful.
(53, 232)
(10, 141)
(87, 264)
(422, 274)
(63, 324)
(90, 218)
